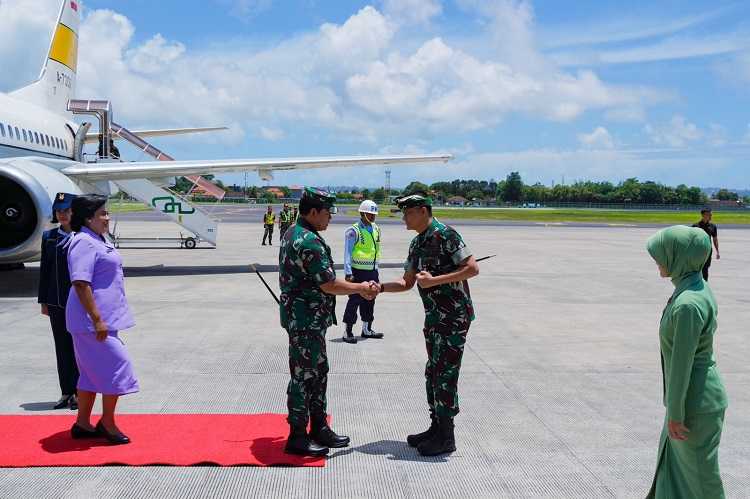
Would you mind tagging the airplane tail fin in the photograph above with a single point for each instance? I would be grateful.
(56, 83)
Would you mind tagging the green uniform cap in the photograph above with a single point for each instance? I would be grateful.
(319, 195)
(413, 201)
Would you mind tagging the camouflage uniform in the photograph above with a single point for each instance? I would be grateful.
(448, 313)
(306, 312)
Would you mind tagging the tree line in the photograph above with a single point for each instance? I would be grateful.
(514, 190)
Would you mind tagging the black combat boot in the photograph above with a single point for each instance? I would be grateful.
(349, 335)
(442, 442)
(322, 434)
(418, 438)
(299, 443)
(367, 331)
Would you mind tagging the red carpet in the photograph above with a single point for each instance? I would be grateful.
(156, 439)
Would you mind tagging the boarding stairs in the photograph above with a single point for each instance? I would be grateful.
(153, 192)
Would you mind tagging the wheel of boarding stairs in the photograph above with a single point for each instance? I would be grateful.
(190, 243)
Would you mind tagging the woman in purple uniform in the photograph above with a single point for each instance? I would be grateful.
(96, 311)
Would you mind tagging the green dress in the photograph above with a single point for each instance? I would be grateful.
(693, 391)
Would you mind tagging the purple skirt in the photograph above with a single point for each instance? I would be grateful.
(105, 366)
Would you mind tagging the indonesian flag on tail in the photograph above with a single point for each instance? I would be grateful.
(73, 5)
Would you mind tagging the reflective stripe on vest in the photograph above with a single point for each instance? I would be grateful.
(366, 251)
(269, 218)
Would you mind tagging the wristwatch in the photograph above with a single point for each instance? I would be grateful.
(382, 287)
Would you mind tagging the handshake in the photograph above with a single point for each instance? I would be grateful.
(369, 290)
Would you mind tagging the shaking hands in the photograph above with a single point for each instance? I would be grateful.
(369, 290)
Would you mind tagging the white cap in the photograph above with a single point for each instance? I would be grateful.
(368, 206)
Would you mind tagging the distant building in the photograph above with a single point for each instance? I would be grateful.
(717, 204)
(456, 201)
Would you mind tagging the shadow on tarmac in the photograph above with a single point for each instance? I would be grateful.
(185, 270)
(393, 450)
(21, 283)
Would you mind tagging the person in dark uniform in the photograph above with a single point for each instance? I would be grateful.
(54, 287)
(440, 264)
(713, 233)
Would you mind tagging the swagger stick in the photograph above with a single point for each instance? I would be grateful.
(252, 267)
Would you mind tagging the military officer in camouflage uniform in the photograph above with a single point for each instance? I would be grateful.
(308, 284)
(440, 264)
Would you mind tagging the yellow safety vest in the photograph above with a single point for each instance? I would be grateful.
(269, 219)
(366, 251)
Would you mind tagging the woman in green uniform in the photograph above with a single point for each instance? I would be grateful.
(694, 396)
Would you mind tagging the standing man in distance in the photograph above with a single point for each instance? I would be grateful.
(307, 308)
(269, 220)
(285, 221)
(440, 264)
(713, 233)
(361, 256)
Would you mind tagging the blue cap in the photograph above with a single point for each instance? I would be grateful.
(63, 201)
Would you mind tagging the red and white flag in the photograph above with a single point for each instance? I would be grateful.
(73, 5)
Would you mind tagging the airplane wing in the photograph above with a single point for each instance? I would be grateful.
(161, 169)
(93, 138)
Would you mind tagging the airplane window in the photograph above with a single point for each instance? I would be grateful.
(54, 142)
(2, 129)
(24, 135)
(36, 137)
(18, 133)
(46, 138)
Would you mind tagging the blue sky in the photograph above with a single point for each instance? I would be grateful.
(585, 90)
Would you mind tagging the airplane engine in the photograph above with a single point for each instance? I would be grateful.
(27, 190)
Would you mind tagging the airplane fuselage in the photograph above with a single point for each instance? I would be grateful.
(29, 130)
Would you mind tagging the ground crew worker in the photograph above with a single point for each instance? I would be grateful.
(361, 256)
(269, 220)
(440, 264)
(285, 220)
(307, 308)
(713, 233)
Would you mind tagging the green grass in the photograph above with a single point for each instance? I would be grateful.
(552, 215)
(129, 207)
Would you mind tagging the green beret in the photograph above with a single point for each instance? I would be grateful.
(412, 201)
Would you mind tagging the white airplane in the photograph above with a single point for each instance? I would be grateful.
(41, 154)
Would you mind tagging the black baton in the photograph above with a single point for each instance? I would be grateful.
(252, 266)
(486, 258)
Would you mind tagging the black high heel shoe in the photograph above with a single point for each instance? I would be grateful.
(113, 438)
(79, 432)
(63, 402)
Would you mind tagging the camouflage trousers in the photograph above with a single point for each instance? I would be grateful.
(308, 367)
(445, 348)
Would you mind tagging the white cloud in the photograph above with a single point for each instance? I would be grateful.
(154, 54)
(625, 29)
(626, 114)
(272, 134)
(677, 133)
(26, 28)
(600, 138)
(412, 11)
(356, 80)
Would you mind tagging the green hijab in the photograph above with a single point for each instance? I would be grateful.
(681, 250)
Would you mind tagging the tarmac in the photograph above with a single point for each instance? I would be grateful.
(560, 386)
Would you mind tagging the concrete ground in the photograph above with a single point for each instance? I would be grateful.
(560, 387)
